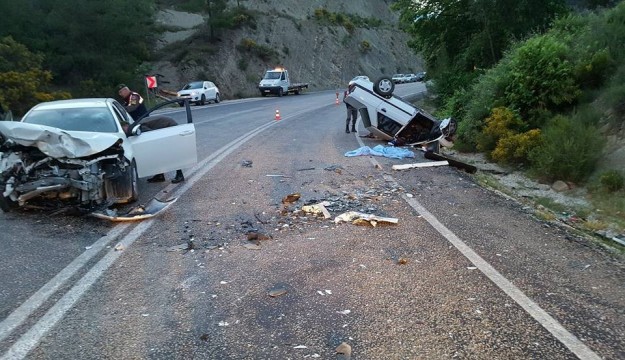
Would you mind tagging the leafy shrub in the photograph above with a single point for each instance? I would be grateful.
(568, 150)
(365, 46)
(515, 148)
(541, 77)
(612, 180)
(242, 64)
(502, 123)
(263, 52)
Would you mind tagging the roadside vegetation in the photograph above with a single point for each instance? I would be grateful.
(540, 93)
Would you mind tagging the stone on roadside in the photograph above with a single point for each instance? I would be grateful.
(560, 186)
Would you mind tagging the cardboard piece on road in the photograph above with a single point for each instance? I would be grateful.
(420, 165)
(319, 208)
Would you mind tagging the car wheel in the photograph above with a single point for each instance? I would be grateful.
(5, 204)
(280, 92)
(262, 93)
(384, 87)
(134, 182)
(217, 99)
(202, 100)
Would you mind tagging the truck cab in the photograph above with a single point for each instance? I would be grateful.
(277, 82)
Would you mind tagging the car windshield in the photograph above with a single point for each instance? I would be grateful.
(193, 85)
(94, 119)
(398, 75)
(272, 75)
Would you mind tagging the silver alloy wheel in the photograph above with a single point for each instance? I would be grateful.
(385, 85)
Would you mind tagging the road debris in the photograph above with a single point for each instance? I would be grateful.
(277, 175)
(344, 350)
(420, 165)
(306, 169)
(344, 312)
(300, 347)
(246, 163)
(141, 212)
(223, 323)
(291, 198)
(452, 162)
(402, 261)
(380, 150)
(358, 218)
(253, 235)
(318, 209)
(277, 291)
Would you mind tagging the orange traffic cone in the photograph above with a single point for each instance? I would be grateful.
(277, 114)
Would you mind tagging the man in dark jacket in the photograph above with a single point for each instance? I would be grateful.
(133, 102)
(352, 114)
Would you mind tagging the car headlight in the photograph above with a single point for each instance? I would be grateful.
(194, 93)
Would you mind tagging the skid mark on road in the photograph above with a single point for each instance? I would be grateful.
(569, 340)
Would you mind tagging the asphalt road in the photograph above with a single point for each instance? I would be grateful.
(465, 273)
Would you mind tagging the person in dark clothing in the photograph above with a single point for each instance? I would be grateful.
(352, 114)
(133, 102)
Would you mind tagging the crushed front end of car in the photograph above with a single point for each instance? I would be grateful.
(45, 168)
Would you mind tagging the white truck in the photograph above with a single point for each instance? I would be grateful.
(277, 82)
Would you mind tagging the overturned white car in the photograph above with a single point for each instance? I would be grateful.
(390, 118)
(85, 153)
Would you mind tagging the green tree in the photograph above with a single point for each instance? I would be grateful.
(458, 37)
(23, 83)
(93, 41)
(216, 10)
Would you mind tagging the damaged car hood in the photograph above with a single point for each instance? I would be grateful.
(55, 142)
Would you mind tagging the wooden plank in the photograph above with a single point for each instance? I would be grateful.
(420, 165)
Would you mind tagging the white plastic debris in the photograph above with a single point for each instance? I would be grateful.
(344, 312)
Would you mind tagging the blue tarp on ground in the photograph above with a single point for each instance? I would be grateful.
(380, 150)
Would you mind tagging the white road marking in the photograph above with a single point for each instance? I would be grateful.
(22, 346)
(569, 340)
(19, 315)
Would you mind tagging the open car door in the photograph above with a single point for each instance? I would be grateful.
(166, 149)
(162, 150)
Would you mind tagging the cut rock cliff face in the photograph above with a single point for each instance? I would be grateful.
(326, 56)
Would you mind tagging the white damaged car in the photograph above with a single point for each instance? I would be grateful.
(390, 118)
(85, 153)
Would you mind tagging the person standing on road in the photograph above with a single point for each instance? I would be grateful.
(133, 102)
(352, 114)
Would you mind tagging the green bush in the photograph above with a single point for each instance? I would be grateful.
(569, 150)
(365, 46)
(515, 148)
(500, 124)
(612, 180)
(541, 77)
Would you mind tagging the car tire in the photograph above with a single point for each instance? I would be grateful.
(134, 182)
(202, 100)
(217, 99)
(5, 204)
(384, 87)
(280, 92)
(262, 93)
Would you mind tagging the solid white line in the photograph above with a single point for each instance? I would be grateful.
(19, 315)
(569, 340)
(33, 336)
(552, 325)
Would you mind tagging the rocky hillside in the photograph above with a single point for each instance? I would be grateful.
(324, 55)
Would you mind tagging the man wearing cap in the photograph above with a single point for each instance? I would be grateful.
(133, 102)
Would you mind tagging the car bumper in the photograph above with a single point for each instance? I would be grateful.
(189, 97)
(269, 89)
